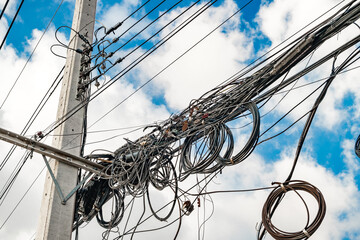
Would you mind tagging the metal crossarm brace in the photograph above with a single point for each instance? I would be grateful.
(61, 194)
(50, 151)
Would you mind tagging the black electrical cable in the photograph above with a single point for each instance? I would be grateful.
(159, 178)
(288, 112)
(316, 105)
(241, 71)
(22, 198)
(119, 75)
(4, 8)
(11, 24)
(116, 26)
(15, 173)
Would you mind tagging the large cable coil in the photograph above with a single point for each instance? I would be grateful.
(274, 200)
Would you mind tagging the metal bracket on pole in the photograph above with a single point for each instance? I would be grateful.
(52, 152)
(58, 188)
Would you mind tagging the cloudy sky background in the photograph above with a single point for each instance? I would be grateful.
(327, 159)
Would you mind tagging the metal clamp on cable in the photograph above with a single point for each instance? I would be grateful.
(306, 233)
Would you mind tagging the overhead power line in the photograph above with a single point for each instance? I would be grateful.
(31, 54)
(128, 68)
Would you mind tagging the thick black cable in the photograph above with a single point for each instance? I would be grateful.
(315, 107)
(241, 71)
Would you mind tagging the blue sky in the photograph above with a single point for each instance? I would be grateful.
(327, 159)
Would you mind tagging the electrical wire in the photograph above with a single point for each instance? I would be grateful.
(170, 64)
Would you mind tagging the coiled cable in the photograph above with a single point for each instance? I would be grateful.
(278, 193)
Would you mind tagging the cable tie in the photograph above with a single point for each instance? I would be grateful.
(306, 233)
(283, 187)
(231, 160)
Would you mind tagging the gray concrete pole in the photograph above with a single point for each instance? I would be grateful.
(55, 218)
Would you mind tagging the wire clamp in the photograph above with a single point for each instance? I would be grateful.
(283, 187)
(306, 233)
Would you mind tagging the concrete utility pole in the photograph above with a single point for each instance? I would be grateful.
(56, 219)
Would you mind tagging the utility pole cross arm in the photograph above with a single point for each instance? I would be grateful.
(50, 151)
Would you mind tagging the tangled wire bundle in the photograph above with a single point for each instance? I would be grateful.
(199, 140)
